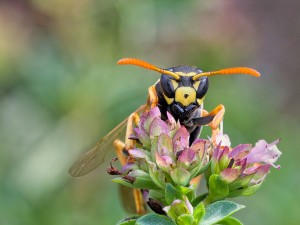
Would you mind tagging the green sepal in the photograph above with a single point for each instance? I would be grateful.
(185, 219)
(218, 188)
(199, 212)
(180, 176)
(218, 211)
(128, 221)
(247, 191)
(215, 168)
(153, 218)
(199, 170)
(230, 221)
(177, 209)
(189, 192)
(172, 193)
(241, 182)
(223, 162)
(156, 175)
(153, 148)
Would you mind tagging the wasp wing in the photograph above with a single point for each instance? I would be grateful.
(95, 156)
(127, 199)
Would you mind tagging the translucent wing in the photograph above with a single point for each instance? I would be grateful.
(127, 198)
(95, 157)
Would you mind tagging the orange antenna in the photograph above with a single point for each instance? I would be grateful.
(229, 71)
(141, 63)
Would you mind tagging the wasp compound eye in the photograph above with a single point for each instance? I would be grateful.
(201, 87)
(167, 86)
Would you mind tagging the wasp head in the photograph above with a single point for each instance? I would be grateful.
(183, 94)
(183, 88)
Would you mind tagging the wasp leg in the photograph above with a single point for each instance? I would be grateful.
(139, 201)
(133, 118)
(122, 149)
(152, 97)
(218, 114)
(217, 123)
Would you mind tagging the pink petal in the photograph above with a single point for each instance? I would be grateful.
(182, 137)
(158, 127)
(164, 141)
(261, 172)
(223, 139)
(137, 153)
(264, 152)
(230, 175)
(238, 149)
(147, 118)
(223, 153)
(200, 146)
(186, 156)
(171, 120)
(216, 153)
(163, 162)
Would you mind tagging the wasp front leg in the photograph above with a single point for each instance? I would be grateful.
(122, 153)
(217, 123)
(152, 97)
(121, 147)
(218, 114)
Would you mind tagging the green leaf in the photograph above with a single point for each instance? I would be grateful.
(245, 191)
(122, 181)
(152, 218)
(172, 193)
(156, 194)
(218, 211)
(230, 221)
(199, 212)
(185, 219)
(199, 199)
(128, 221)
(144, 183)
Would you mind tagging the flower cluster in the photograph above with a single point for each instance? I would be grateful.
(164, 163)
(164, 150)
(241, 170)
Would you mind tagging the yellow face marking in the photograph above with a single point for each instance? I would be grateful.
(175, 84)
(190, 74)
(169, 100)
(196, 84)
(200, 101)
(185, 95)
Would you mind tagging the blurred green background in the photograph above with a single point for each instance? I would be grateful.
(61, 90)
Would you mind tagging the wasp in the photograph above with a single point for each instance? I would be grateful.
(179, 91)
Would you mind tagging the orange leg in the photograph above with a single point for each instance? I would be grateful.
(133, 118)
(120, 148)
(152, 97)
(218, 114)
(217, 123)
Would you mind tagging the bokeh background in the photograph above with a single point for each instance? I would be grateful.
(61, 90)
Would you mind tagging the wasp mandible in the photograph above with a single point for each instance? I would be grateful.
(179, 91)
